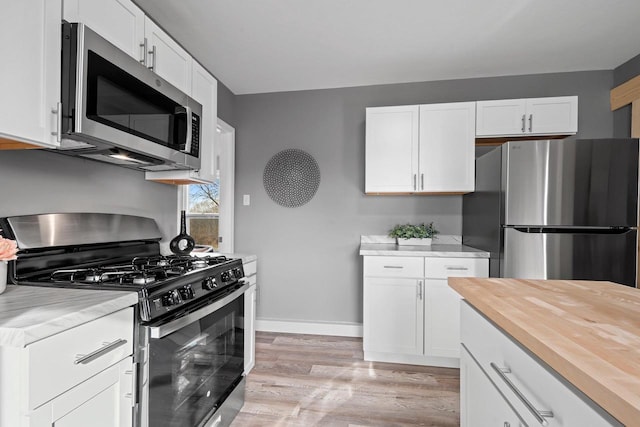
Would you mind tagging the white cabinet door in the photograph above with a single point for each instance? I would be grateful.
(119, 21)
(393, 315)
(500, 117)
(441, 319)
(391, 159)
(167, 58)
(548, 116)
(250, 297)
(96, 402)
(480, 402)
(205, 91)
(30, 74)
(527, 117)
(447, 147)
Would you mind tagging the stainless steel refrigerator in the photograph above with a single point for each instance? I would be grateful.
(557, 209)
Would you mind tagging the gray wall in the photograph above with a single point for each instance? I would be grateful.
(309, 268)
(226, 104)
(622, 116)
(35, 181)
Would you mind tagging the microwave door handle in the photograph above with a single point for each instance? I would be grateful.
(187, 145)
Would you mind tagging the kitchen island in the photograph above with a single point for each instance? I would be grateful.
(583, 335)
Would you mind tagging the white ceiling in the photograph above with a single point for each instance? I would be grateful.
(256, 46)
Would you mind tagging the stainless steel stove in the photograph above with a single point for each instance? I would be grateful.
(190, 321)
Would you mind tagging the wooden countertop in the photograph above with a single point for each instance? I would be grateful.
(588, 332)
(31, 313)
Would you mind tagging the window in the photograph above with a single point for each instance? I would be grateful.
(203, 213)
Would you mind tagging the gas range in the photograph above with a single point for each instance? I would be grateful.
(116, 252)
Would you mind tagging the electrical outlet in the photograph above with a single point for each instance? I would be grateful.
(246, 200)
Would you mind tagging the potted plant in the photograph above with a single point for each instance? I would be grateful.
(410, 234)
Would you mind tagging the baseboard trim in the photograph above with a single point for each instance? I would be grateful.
(338, 329)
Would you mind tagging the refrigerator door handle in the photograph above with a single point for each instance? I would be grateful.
(571, 230)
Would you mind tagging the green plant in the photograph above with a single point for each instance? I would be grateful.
(410, 231)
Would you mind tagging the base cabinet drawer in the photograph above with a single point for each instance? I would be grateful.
(393, 266)
(60, 362)
(535, 392)
(443, 268)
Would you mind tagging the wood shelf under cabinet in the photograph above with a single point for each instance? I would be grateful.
(495, 141)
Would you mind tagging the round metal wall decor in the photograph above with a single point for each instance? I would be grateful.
(291, 178)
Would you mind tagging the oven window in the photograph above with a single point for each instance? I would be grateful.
(192, 370)
(117, 99)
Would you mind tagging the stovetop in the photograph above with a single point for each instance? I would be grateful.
(115, 252)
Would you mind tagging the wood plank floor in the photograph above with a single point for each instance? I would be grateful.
(312, 380)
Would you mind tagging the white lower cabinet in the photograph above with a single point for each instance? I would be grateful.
(483, 404)
(410, 313)
(494, 365)
(83, 376)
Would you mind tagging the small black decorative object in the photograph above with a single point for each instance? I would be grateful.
(182, 244)
(291, 178)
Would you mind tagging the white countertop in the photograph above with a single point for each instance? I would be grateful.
(444, 246)
(31, 313)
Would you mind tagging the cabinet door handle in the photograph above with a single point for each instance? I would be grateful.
(540, 416)
(58, 112)
(523, 121)
(106, 348)
(392, 266)
(143, 46)
(415, 184)
(419, 289)
(152, 52)
(422, 181)
(530, 122)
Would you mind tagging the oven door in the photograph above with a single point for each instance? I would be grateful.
(195, 362)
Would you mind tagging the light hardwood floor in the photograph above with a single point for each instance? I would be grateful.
(312, 380)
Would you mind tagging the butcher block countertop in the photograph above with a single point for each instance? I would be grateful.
(588, 332)
(31, 313)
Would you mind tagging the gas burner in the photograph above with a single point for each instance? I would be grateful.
(143, 279)
(199, 263)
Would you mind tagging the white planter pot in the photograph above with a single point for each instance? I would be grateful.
(413, 242)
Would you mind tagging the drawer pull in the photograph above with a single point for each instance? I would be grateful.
(456, 268)
(393, 266)
(540, 416)
(86, 358)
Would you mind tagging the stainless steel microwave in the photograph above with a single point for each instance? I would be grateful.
(116, 110)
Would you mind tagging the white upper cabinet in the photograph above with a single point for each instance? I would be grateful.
(420, 149)
(391, 158)
(447, 147)
(524, 117)
(119, 21)
(166, 58)
(30, 75)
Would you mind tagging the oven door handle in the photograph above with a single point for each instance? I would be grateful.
(164, 329)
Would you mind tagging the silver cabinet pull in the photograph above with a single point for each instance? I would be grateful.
(523, 120)
(143, 46)
(530, 122)
(58, 112)
(392, 266)
(415, 185)
(540, 416)
(456, 268)
(152, 52)
(107, 347)
(419, 289)
(422, 181)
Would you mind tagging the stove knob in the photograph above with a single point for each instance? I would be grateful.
(209, 284)
(186, 292)
(225, 276)
(237, 273)
(169, 299)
